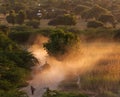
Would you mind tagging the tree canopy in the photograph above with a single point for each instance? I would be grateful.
(11, 17)
(60, 42)
(20, 17)
(63, 20)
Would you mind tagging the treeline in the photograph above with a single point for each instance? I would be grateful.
(63, 38)
(64, 12)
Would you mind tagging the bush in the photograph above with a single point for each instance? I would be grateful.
(5, 29)
(94, 24)
(54, 93)
(20, 37)
(20, 34)
(63, 20)
(20, 28)
(59, 42)
(33, 23)
(12, 93)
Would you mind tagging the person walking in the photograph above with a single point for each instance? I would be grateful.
(32, 90)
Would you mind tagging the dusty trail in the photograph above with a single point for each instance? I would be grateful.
(42, 78)
(71, 65)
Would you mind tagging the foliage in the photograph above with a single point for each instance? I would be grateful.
(11, 17)
(6, 43)
(20, 37)
(54, 93)
(94, 34)
(20, 28)
(12, 93)
(5, 29)
(107, 18)
(21, 33)
(32, 14)
(20, 17)
(33, 23)
(59, 42)
(63, 20)
(15, 64)
(18, 6)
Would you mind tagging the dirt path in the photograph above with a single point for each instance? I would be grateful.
(42, 76)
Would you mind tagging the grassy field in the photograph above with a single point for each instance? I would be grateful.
(103, 80)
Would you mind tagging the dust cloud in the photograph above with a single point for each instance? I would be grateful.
(76, 62)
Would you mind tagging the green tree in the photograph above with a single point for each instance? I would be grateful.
(5, 29)
(54, 93)
(60, 42)
(33, 23)
(20, 17)
(11, 17)
(15, 64)
(63, 20)
(19, 6)
(6, 43)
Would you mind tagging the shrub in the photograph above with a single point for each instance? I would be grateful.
(63, 20)
(33, 23)
(94, 24)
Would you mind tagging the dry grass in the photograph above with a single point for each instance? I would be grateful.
(105, 76)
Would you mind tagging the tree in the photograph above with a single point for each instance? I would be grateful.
(59, 42)
(15, 64)
(6, 43)
(5, 29)
(20, 17)
(11, 17)
(19, 6)
(33, 23)
(94, 24)
(34, 14)
(63, 20)
(107, 18)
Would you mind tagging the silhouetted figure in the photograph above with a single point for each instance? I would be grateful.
(32, 90)
(78, 81)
